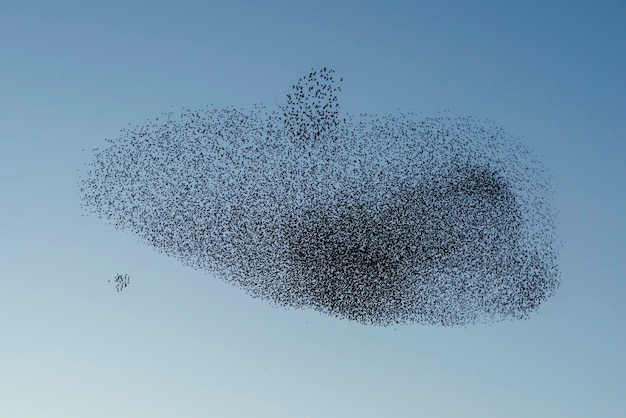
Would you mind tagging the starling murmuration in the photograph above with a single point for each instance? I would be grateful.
(380, 219)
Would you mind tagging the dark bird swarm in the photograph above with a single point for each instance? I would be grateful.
(379, 219)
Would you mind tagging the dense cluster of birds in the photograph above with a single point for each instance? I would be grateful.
(121, 281)
(384, 220)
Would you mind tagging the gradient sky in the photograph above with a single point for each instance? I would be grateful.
(179, 343)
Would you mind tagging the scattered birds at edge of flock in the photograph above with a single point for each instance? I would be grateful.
(121, 282)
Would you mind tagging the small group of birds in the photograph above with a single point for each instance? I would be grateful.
(121, 282)
(384, 220)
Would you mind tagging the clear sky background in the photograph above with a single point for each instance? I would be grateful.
(179, 343)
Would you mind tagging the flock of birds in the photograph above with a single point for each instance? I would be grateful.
(383, 220)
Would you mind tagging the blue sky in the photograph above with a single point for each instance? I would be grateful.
(178, 342)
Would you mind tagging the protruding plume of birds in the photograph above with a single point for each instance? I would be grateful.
(387, 219)
(312, 110)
